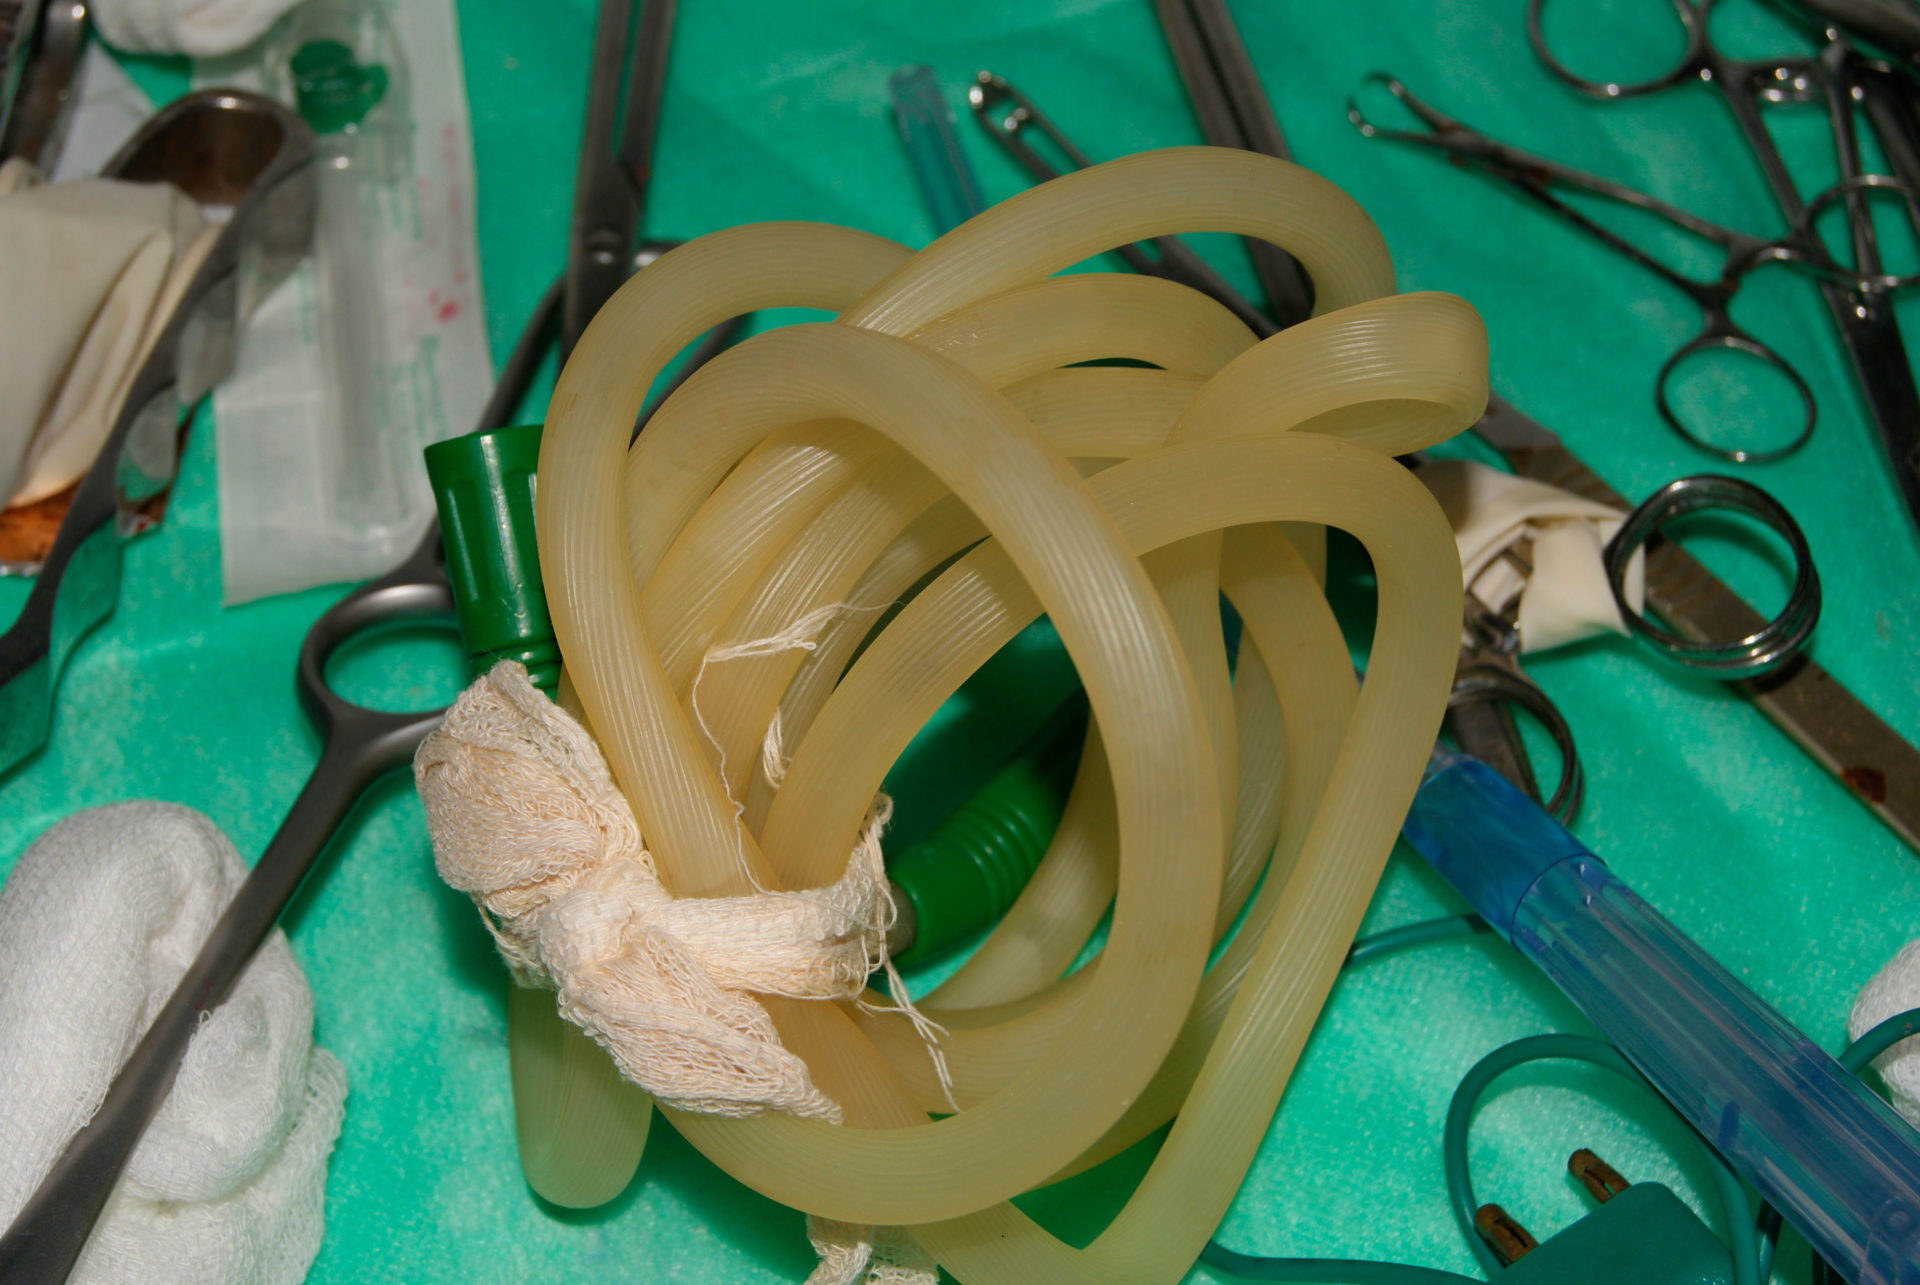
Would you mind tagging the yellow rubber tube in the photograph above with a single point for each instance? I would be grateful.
(815, 465)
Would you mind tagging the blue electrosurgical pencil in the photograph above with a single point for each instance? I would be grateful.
(1832, 1157)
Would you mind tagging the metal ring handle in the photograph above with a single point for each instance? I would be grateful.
(1488, 684)
(1767, 648)
(1692, 19)
(1725, 336)
(1859, 185)
(415, 590)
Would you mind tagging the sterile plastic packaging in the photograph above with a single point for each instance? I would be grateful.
(339, 63)
(378, 346)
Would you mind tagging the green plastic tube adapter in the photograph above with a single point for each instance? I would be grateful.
(966, 873)
(484, 486)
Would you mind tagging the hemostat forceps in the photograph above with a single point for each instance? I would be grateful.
(358, 744)
(1841, 80)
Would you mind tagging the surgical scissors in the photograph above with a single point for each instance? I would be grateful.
(1840, 79)
(1537, 177)
(359, 744)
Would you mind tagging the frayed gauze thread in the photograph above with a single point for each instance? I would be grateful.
(857, 1254)
(804, 635)
(526, 818)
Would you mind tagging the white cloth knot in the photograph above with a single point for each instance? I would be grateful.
(1894, 989)
(525, 817)
(1564, 597)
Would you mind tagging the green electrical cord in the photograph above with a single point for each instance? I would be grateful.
(1350, 1271)
(1420, 933)
(1326, 1271)
(1878, 1040)
(1752, 1257)
(1581, 1048)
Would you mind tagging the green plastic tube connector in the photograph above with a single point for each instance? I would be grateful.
(484, 485)
(966, 873)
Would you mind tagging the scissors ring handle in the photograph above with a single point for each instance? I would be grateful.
(1485, 683)
(1721, 333)
(1692, 59)
(1859, 184)
(1767, 648)
(375, 740)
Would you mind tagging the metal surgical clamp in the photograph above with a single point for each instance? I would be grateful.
(1233, 111)
(1840, 79)
(359, 745)
(1790, 688)
(1709, 629)
(223, 147)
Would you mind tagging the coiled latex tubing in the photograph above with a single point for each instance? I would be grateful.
(840, 463)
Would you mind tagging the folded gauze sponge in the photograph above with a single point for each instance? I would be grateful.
(1893, 990)
(97, 923)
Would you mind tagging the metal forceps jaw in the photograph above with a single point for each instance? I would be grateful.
(1487, 683)
(1837, 77)
(1535, 177)
(1233, 110)
(46, 1237)
(1167, 257)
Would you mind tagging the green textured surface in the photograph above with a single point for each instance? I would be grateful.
(779, 111)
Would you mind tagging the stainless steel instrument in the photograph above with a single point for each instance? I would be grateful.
(223, 148)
